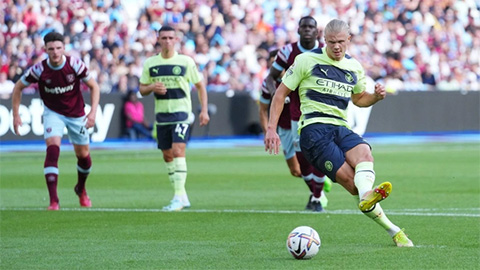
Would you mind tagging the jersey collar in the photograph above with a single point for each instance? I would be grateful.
(60, 66)
(317, 44)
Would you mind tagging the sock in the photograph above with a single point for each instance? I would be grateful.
(318, 183)
(180, 176)
(364, 177)
(84, 166)
(323, 199)
(171, 172)
(309, 182)
(306, 169)
(50, 170)
(377, 214)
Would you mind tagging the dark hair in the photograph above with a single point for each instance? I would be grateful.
(307, 18)
(166, 28)
(53, 36)
(272, 53)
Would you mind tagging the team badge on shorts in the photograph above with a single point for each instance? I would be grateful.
(328, 165)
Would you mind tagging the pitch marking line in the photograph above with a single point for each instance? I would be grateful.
(406, 212)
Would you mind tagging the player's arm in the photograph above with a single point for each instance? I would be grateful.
(272, 78)
(263, 115)
(272, 140)
(16, 99)
(156, 87)
(203, 98)
(365, 99)
(94, 100)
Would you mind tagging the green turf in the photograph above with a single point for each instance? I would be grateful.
(244, 204)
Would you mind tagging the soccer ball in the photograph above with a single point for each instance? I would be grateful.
(303, 242)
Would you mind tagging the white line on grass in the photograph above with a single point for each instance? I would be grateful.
(406, 212)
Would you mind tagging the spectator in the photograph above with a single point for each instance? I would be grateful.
(135, 123)
(6, 86)
(428, 78)
(411, 33)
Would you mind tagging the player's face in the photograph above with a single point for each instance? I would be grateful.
(55, 50)
(308, 30)
(337, 44)
(167, 40)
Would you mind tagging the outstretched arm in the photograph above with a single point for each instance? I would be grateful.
(272, 140)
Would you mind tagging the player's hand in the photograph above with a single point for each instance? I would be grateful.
(272, 141)
(204, 118)
(90, 120)
(380, 92)
(159, 88)
(17, 122)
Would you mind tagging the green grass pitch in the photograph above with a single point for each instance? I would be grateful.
(244, 204)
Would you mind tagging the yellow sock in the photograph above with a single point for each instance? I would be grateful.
(381, 219)
(171, 172)
(180, 176)
(364, 177)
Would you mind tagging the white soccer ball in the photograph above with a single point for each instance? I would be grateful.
(303, 242)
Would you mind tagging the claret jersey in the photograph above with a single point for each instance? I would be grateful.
(266, 98)
(285, 58)
(60, 86)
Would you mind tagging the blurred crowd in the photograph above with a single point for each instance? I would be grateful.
(408, 45)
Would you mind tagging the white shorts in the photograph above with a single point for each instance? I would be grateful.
(296, 136)
(54, 125)
(286, 139)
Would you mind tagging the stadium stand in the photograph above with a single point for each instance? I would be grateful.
(413, 45)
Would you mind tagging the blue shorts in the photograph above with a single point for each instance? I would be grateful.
(324, 146)
(286, 137)
(54, 126)
(174, 133)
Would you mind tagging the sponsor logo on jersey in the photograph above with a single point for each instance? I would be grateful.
(59, 90)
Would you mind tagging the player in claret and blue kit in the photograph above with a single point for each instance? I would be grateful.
(58, 78)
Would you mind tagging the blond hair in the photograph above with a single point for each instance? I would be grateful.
(336, 26)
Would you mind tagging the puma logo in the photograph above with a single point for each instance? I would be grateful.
(155, 70)
(325, 71)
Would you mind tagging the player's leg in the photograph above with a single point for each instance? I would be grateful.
(306, 169)
(359, 162)
(180, 173)
(286, 139)
(338, 161)
(181, 136)
(50, 170)
(293, 166)
(80, 139)
(84, 166)
(53, 131)
(164, 143)
(172, 140)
